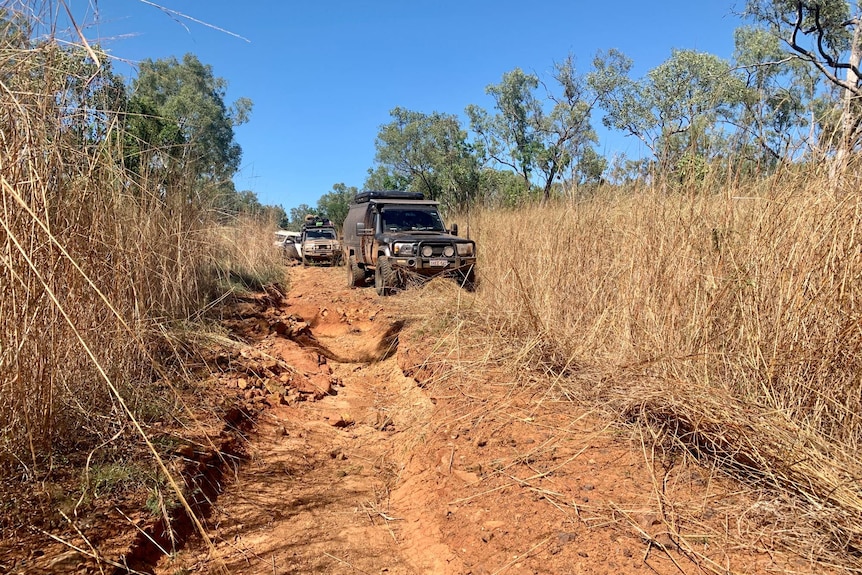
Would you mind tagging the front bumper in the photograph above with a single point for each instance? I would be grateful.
(321, 253)
(434, 265)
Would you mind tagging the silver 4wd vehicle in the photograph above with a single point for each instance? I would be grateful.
(393, 234)
(319, 242)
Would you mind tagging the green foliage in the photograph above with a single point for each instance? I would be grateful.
(531, 141)
(110, 478)
(431, 154)
(509, 137)
(825, 24)
(589, 168)
(92, 97)
(567, 131)
(335, 204)
(151, 142)
(231, 204)
(192, 120)
(504, 188)
(826, 36)
(15, 30)
(383, 178)
(676, 109)
(161, 498)
(778, 98)
(624, 170)
(297, 217)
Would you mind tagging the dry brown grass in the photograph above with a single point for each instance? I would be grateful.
(102, 272)
(97, 266)
(727, 324)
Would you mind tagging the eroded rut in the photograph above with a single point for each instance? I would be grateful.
(315, 495)
(337, 462)
(460, 467)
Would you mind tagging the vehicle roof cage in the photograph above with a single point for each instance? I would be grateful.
(369, 195)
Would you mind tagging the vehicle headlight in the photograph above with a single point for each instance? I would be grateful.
(465, 249)
(402, 249)
(448, 251)
(427, 251)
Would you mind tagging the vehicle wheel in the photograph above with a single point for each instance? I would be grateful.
(355, 275)
(385, 279)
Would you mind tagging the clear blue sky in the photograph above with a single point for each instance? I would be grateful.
(324, 74)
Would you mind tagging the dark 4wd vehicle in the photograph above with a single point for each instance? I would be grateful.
(392, 234)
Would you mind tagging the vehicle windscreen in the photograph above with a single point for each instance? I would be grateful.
(411, 220)
(327, 234)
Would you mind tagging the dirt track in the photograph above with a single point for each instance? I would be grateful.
(378, 444)
(449, 470)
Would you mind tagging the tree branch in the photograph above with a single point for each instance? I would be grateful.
(809, 56)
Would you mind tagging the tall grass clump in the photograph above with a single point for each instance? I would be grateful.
(96, 262)
(730, 320)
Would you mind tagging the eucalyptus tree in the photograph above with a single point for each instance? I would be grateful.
(566, 131)
(825, 34)
(509, 138)
(675, 110)
(431, 153)
(296, 217)
(178, 110)
(335, 204)
(382, 177)
(537, 143)
(778, 107)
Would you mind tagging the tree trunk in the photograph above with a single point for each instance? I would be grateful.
(849, 119)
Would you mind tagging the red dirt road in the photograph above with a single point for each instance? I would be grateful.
(455, 469)
(377, 435)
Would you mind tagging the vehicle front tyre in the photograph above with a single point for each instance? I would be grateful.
(385, 278)
(355, 274)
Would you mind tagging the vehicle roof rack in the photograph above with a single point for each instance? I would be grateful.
(317, 222)
(369, 195)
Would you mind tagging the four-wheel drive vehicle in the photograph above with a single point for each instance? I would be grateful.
(392, 234)
(319, 242)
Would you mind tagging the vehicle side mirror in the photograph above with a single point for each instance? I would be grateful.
(454, 230)
(361, 230)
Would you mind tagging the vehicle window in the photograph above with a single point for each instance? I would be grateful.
(320, 234)
(406, 220)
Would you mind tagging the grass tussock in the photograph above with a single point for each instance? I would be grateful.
(728, 323)
(96, 262)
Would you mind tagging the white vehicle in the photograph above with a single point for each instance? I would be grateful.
(289, 242)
